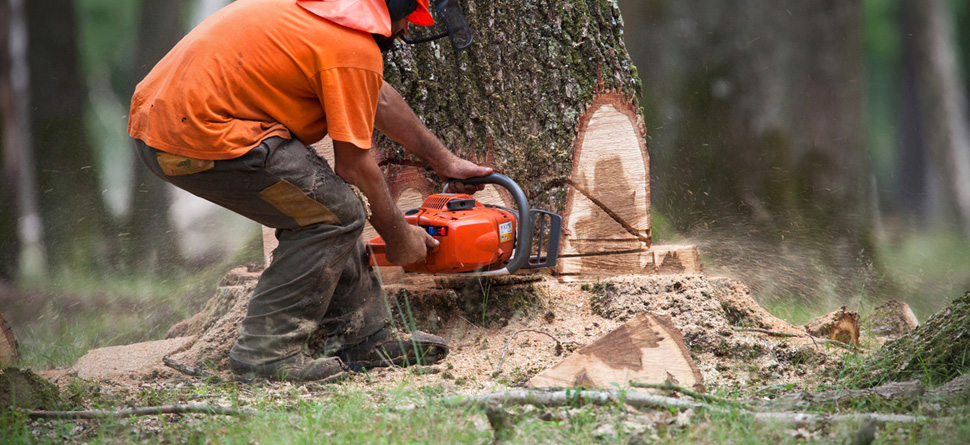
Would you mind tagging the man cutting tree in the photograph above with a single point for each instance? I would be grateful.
(228, 114)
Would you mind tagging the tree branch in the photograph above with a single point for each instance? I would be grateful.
(558, 397)
(143, 411)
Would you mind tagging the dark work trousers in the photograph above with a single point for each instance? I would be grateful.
(318, 276)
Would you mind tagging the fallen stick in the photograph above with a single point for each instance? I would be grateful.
(811, 337)
(144, 411)
(498, 368)
(688, 392)
(568, 397)
(191, 371)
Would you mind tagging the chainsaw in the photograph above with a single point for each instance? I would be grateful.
(477, 239)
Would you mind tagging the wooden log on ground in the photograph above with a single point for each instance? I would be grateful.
(646, 349)
(840, 325)
(9, 351)
(893, 318)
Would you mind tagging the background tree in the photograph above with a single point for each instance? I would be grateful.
(69, 190)
(942, 100)
(755, 114)
(152, 241)
(21, 228)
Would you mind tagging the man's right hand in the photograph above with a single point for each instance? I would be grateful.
(410, 246)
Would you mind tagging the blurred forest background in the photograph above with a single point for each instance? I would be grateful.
(817, 150)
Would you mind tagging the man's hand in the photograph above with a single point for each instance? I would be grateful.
(457, 168)
(410, 247)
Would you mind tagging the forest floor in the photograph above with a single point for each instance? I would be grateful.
(747, 373)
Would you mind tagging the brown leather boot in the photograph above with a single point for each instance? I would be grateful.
(297, 368)
(388, 347)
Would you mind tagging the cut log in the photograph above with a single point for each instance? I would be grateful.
(9, 352)
(893, 318)
(840, 325)
(646, 349)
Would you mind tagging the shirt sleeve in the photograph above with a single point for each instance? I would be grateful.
(349, 98)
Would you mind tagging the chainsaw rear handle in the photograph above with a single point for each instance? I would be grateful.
(523, 229)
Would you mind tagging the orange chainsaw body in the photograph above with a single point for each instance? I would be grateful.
(472, 236)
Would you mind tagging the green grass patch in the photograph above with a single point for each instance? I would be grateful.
(929, 268)
(59, 320)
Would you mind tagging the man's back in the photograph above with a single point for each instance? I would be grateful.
(256, 69)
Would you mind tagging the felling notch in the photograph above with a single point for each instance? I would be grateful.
(646, 349)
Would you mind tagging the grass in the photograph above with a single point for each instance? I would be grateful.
(61, 319)
(57, 321)
(343, 413)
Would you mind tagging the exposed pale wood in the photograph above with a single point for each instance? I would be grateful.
(9, 353)
(841, 325)
(646, 349)
(892, 318)
(608, 202)
(672, 259)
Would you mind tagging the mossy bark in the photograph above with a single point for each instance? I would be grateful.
(935, 352)
(26, 390)
(514, 99)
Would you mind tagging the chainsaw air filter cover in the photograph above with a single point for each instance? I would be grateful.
(472, 236)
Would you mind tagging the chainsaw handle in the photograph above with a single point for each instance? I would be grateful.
(523, 228)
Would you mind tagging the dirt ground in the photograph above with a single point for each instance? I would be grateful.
(478, 318)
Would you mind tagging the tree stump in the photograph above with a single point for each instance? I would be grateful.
(893, 318)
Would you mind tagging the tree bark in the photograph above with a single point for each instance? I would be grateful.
(151, 242)
(548, 96)
(70, 192)
(943, 101)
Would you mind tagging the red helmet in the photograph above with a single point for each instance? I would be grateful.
(364, 15)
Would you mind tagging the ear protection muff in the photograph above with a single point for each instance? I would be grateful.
(400, 9)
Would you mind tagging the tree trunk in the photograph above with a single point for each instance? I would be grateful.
(943, 100)
(70, 192)
(21, 227)
(548, 96)
(756, 112)
(151, 242)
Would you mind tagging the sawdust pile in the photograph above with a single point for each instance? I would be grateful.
(478, 318)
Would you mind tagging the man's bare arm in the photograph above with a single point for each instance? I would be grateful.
(406, 244)
(397, 120)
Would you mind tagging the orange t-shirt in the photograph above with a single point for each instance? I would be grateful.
(255, 69)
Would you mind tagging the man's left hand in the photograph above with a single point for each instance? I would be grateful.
(457, 168)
